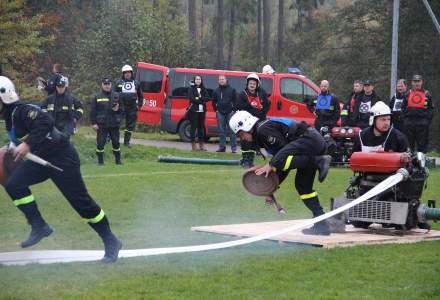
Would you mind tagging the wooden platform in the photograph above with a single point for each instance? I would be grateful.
(352, 236)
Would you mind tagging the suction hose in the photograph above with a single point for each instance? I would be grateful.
(425, 213)
(200, 161)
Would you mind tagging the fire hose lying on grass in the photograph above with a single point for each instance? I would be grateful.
(200, 161)
(64, 256)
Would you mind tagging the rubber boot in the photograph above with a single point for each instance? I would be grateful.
(112, 245)
(323, 164)
(202, 146)
(247, 160)
(117, 155)
(40, 229)
(100, 158)
(320, 228)
(127, 137)
(194, 147)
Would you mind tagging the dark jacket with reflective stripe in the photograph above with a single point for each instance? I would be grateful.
(65, 110)
(101, 110)
(35, 127)
(275, 138)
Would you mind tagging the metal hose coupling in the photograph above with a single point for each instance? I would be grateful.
(425, 213)
(404, 172)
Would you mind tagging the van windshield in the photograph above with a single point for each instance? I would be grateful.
(181, 82)
(150, 80)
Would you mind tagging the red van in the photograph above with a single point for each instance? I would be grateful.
(165, 95)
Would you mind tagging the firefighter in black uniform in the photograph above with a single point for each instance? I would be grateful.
(34, 131)
(361, 111)
(348, 108)
(50, 85)
(418, 111)
(396, 103)
(63, 107)
(105, 116)
(131, 98)
(380, 135)
(326, 107)
(293, 146)
(252, 99)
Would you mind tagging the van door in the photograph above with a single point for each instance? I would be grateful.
(292, 97)
(153, 82)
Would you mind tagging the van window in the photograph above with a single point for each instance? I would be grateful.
(179, 84)
(309, 93)
(239, 83)
(292, 89)
(150, 80)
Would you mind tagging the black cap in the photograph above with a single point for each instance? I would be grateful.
(367, 82)
(106, 79)
(61, 81)
(417, 77)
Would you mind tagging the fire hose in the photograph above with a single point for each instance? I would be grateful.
(200, 161)
(63, 256)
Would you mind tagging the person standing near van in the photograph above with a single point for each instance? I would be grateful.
(326, 107)
(348, 108)
(223, 102)
(63, 107)
(396, 103)
(198, 96)
(131, 98)
(254, 100)
(105, 116)
(418, 112)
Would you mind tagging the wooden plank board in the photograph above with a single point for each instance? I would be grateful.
(352, 236)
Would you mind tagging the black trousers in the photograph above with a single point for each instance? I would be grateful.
(130, 116)
(417, 135)
(197, 121)
(69, 182)
(101, 138)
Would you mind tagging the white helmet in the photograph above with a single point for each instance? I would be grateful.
(7, 91)
(127, 68)
(253, 76)
(267, 69)
(379, 109)
(242, 120)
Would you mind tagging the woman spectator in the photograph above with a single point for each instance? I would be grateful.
(198, 97)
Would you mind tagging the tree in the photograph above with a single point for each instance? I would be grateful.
(280, 32)
(192, 18)
(266, 30)
(220, 37)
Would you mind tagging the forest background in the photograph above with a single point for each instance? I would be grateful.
(337, 40)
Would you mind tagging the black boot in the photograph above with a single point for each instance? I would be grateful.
(38, 232)
(40, 229)
(247, 160)
(100, 158)
(323, 164)
(117, 157)
(112, 244)
(320, 228)
(127, 137)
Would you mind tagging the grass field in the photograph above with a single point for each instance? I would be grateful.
(154, 205)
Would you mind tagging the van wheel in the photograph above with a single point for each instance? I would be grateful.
(184, 131)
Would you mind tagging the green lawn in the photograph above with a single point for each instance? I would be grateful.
(154, 205)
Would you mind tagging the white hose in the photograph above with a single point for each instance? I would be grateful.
(63, 256)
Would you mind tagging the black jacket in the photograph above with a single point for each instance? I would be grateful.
(64, 109)
(422, 116)
(130, 94)
(275, 138)
(28, 123)
(244, 103)
(327, 112)
(224, 99)
(396, 104)
(361, 110)
(348, 108)
(101, 111)
(395, 142)
(196, 99)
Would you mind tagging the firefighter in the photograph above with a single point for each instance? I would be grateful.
(380, 135)
(254, 100)
(50, 85)
(131, 98)
(361, 110)
(33, 130)
(63, 107)
(418, 111)
(326, 107)
(293, 146)
(348, 108)
(105, 116)
(396, 103)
